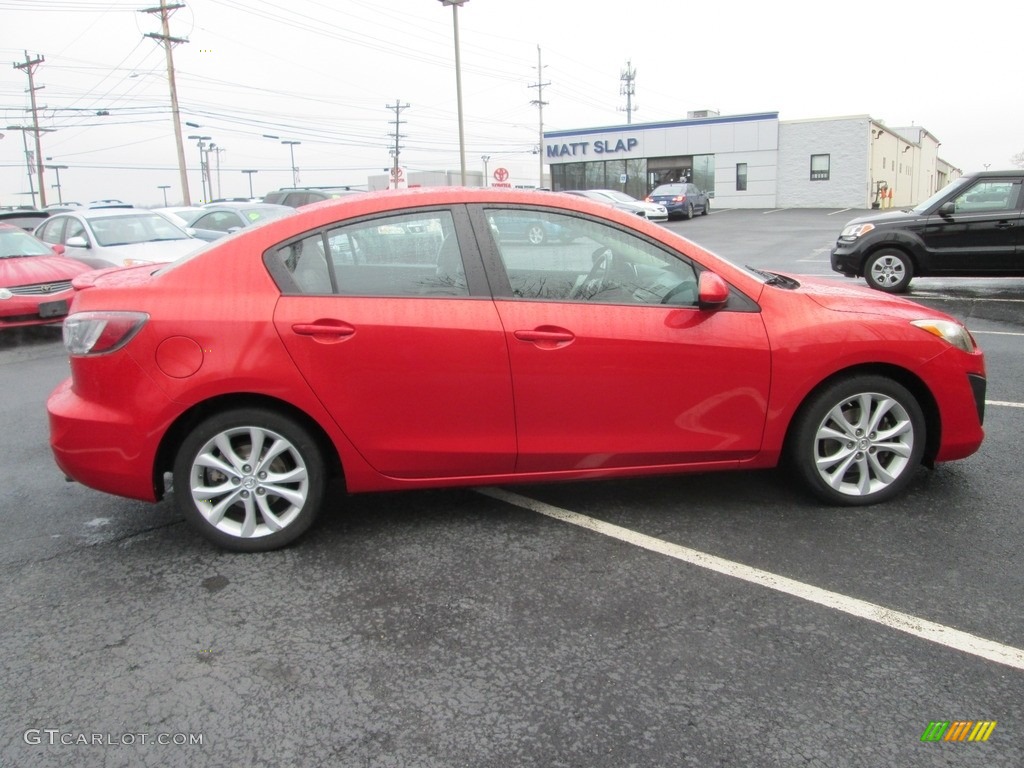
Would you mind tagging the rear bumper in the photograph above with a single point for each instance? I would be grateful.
(98, 447)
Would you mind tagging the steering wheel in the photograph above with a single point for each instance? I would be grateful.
(687, 286)
(602, 259)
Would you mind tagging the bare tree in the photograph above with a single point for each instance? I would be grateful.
(1018, 159)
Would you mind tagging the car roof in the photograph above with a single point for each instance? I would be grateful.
(25, 213)
(246, 206)
(103, 213)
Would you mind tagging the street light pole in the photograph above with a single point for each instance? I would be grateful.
(485, 158)
(249, 173)
(164, 187)
(57, 169)
(291, 152)
(458, 84)
(28, 160)
(202, 162)
(29, 166)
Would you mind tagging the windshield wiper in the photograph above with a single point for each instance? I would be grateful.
(773, 278)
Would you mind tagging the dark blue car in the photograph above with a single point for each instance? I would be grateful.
(681, 199)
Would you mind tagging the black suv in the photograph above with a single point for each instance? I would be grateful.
(970, 228)
(299, 196)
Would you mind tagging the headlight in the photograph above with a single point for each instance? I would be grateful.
(853, 231)
(5, 294)
(950, 332)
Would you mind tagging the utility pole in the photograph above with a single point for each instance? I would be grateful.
(165, 38)
(397, 135)
(628, 89)
(218, 150)
(539, 101)
(30, 66)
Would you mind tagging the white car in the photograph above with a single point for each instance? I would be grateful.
(117, 237)
(622, 201)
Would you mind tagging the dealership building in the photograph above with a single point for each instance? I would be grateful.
(756, 160)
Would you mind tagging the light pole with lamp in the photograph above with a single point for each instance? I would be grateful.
(458, 84)
(291, 152)
(485, 158)
(164, 187)
(37, 168)
(57, 169)
(201, 143)
(249, 173)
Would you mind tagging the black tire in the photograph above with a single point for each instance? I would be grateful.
(243, 505)
(870, 453)
(688, 214)
(707, 208)
(889, 270)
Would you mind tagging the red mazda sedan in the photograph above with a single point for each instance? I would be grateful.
(397, 340)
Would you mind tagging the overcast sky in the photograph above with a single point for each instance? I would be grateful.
(322, 72)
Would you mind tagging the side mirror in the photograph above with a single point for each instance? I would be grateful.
(712, 291)
(190, 231)
(947, 209)
(58, 249)
(77, 242)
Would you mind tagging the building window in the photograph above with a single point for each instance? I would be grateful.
(820, 167)
(741, 177)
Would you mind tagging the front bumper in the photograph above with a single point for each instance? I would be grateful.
(847, 259)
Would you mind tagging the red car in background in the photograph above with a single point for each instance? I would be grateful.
(35, 279)
(399, 340)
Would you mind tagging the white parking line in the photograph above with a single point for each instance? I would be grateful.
(972, 299)
(904, 622)
(997, 333)
(1004, 403)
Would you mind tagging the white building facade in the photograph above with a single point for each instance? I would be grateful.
(756, 160)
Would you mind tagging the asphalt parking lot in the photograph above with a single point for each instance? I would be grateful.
(706, 620)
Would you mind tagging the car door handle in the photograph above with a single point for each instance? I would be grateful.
(326, 331)
(1004, 225)
(546, 337)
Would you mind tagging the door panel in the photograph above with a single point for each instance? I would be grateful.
(612, 386)
(983, 235)
(421, 387)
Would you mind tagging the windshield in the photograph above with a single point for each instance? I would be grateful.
(952, 186)
(14, 242)
(622, 197)
(129, 230)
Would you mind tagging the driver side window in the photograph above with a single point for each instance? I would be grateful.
(551, 256)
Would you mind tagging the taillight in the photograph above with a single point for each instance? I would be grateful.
(96, 333)
(679, 199)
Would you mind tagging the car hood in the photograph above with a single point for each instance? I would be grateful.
(155, 251)
(29, 270)
(889, 217)
(640, 206)
(840, 297)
